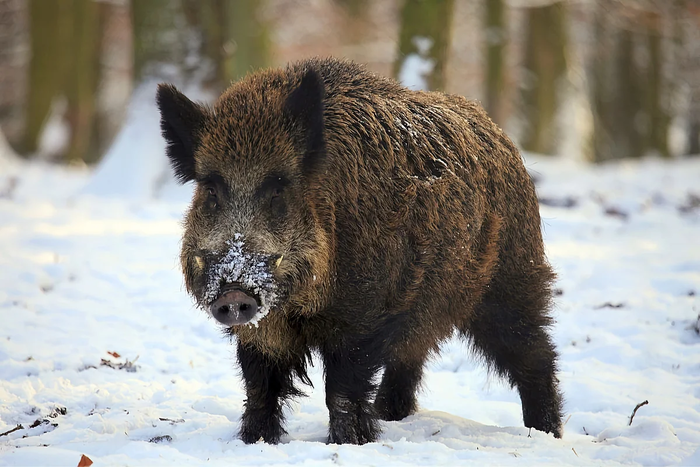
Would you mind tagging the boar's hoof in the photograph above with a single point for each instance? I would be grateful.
(352, 423)
(234, 307)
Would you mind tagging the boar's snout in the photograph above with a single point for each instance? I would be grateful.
(234, 307)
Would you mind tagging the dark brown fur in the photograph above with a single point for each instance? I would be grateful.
(407, 215)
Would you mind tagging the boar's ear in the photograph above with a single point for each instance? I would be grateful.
(305, 105)
(180, 123)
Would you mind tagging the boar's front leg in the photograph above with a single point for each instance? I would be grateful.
(349, 371)
(269, 383)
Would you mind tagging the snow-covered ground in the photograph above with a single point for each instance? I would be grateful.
(103, 354)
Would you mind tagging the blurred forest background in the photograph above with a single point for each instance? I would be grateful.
(587, 79)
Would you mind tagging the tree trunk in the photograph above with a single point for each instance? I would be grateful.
(599, 77)
(496, 35)
(657, 89)
(246, 43)
(424, 43)
(546, 44)
(687, 34)
(694, 137)
(235, 38)
(14, 42)
(627, 101)
(157, 39)
(48, 24)
(83, 55)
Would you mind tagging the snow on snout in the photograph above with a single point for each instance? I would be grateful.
(251, 270)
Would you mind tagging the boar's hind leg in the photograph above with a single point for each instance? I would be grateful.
(396, 398)
(268, 383)
(349, 372)
(514, 342)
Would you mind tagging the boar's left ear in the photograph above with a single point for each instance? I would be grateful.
(180, 123)
(305, 105)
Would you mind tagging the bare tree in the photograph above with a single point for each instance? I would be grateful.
(687, 28)
(14, 41)
(496, 37)
(47, 26)
(546, 43)
(82, 60)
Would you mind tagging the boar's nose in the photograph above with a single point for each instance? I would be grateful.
(234, 307)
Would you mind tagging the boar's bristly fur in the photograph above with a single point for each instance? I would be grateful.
(375, 220)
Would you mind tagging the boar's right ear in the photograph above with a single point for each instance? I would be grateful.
(180, 122)
(305, 105)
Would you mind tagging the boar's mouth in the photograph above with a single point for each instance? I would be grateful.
(235, 305)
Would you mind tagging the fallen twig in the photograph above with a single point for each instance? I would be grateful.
(161, 439)
(172, 422)
(40, 421)
(575, 451)
(128, 366)
(18, 427)
(641, 404)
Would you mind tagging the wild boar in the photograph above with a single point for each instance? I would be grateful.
(336, 212)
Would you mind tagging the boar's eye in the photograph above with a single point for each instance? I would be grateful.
(210, 190)
(272, 192)
(213, 187)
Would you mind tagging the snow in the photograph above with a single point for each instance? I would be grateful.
(127, 172)
(84, 272)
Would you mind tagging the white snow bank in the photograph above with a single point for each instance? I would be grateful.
(135, 166)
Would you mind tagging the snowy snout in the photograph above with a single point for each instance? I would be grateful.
(234, 307)
(239, 285)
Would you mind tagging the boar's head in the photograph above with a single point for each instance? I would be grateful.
(252, 242)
